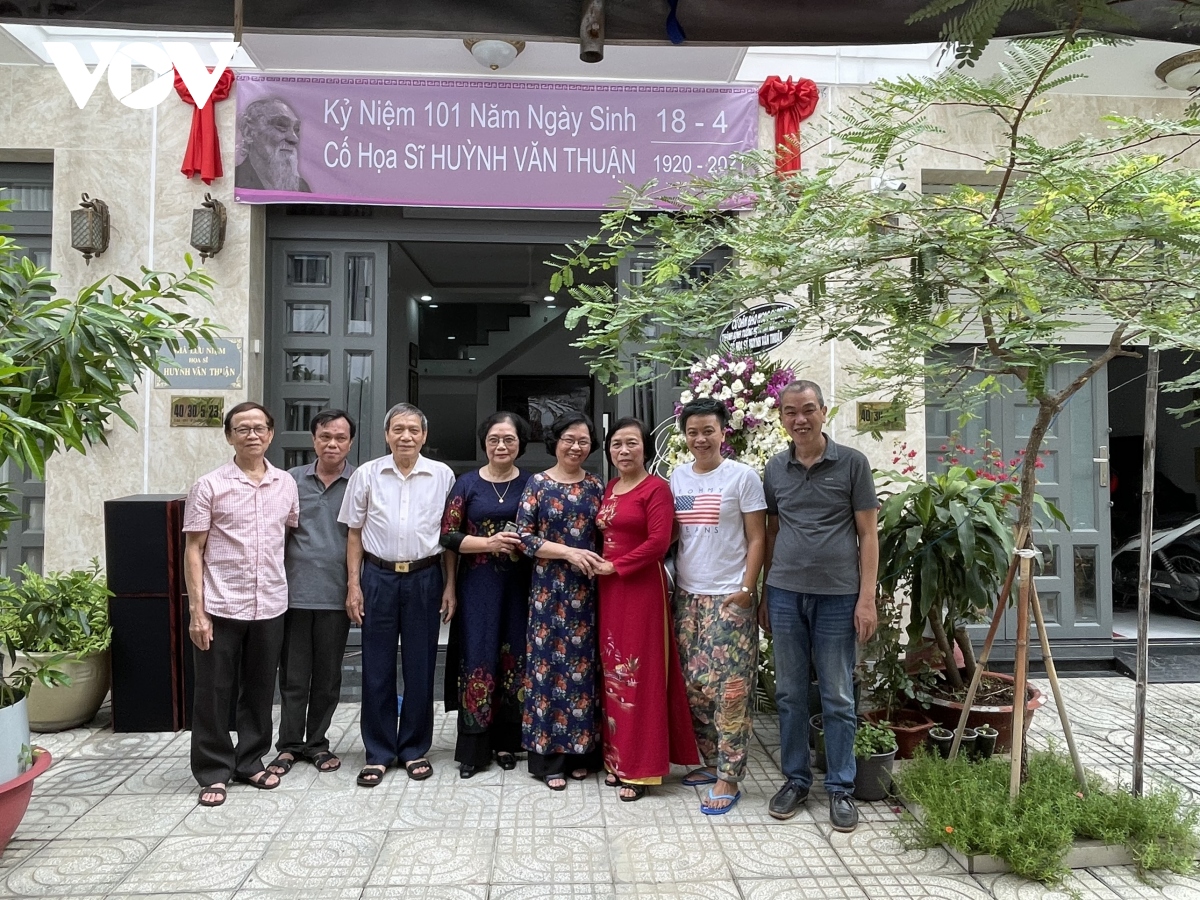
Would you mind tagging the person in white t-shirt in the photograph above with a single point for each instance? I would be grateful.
(720, 513)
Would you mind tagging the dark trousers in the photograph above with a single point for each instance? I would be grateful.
(246, 655)
(310, 678)
(402, 606)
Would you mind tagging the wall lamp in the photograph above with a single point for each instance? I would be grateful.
(89, 228)
(208, 227)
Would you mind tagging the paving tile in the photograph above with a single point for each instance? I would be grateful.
(431, 805)
(50, 814)
(825, 887)
(162, 775)
(61, 744)
(761, 851)
(144, 745)
(683, 890)
(657, 854)
(197, 863)
(920, 887)
(429, 857)
(872, 848)
(132, 815)
(668, 805)
(1079, 885)
(551, 856)
(76, 867)
(533, 804)
(352, 809)
(428, 892)
(187, 895)
(18, 853)
(1124, 882)
(556, 891)
(317, 864)
(88, 776)
(294, 894)
(246, 810)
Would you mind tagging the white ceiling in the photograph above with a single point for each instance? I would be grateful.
(1125, 70)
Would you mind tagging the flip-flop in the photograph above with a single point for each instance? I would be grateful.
(639, 791)
(413, 765)
(612, 780)
(211, 790)
(719, 810)
(506, 761)
(699, 777)
(285, 765)
(261, 783)
(319, 760)
(556, 782)
(370, 776)
(579, 774)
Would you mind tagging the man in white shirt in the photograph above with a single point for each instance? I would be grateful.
(393, 508)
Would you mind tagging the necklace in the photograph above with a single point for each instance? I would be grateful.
(507, 486)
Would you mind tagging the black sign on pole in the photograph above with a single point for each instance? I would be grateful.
(759, 328)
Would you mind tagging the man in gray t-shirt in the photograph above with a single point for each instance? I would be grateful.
(316, 625)
(822, 562)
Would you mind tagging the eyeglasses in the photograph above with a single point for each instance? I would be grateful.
(247, 430)
(506, 441)
(571, 442)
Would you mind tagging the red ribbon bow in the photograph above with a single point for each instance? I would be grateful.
(790, 102)
(203, 154)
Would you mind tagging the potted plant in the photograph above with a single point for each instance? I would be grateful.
(874, 753)
(890, 685)
(59, 620)
(948, 539)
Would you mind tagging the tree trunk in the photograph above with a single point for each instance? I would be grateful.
(968, 652)
(943, 642)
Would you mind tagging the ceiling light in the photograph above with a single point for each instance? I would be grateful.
(551, 306)
(449, 337)
(549, 298)
(1181, 72)
(425, 298)
(494, 54)
(433, 306)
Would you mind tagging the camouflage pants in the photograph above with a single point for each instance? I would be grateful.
(717, 649)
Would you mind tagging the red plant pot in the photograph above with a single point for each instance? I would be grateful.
(15, 794)
(946, 713)
(911, 732)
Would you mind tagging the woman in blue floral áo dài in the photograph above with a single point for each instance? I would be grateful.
(557, 524)
(490, 580)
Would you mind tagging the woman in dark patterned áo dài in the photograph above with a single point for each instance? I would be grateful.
(490, 579)
(557, 525)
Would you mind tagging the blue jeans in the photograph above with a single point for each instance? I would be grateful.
(404, 607)
(816, 629)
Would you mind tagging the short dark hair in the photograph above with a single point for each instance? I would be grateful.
(247, 406)
(799, 386)
(325, 416)
(565, 421)
(632, 422)
(503, 416)
(703, 406)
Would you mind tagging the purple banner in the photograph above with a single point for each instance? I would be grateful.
(514, 144)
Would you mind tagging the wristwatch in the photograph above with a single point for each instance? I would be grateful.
(746, 590)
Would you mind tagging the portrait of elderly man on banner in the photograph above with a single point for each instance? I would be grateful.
(268, 148)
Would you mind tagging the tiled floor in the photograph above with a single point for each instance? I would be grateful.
(115, 817)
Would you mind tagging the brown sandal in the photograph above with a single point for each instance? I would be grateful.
(213, 789)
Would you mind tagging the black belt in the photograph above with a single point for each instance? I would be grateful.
(402, 567)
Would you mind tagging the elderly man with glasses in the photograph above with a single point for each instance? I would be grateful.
(236, 523)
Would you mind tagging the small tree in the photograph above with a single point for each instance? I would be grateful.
(1104, 228)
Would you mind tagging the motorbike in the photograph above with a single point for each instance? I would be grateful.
(1174, 568)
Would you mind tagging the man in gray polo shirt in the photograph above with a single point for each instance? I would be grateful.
(822, 562)
(316, 624)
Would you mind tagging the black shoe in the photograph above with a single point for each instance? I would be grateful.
(843, 814)
(465, 771)
(787, 800)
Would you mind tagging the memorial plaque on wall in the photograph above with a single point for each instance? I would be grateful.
(880, 416)
(197, 412)
(213, 367)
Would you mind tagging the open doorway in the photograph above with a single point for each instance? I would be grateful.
(1176, 490)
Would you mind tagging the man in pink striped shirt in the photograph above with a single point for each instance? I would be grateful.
(236, 522)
